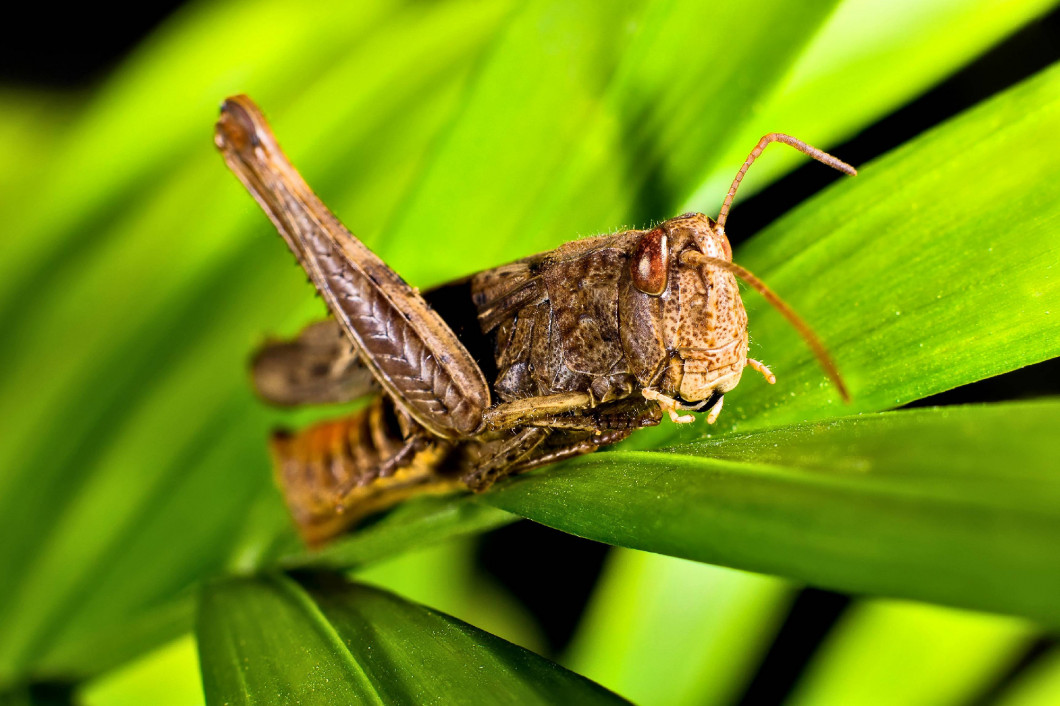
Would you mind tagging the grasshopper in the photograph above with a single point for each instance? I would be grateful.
(512, 368)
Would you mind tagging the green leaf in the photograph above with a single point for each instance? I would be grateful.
(137, 275)
(959, 506)
(29, 122)
(868, 59)
(148, 117)
(325, 641)
(925, 279)
(918, 278)
(608, 129)
(1037, 686)
(666, 631)
(143, 440)
(98, 648)
(167, 676)
(943, 656)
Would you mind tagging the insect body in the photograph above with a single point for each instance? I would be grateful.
(512, 368)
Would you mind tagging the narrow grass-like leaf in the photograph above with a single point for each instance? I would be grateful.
(869, 58)
(959, 506)
(100, 647)
(145, 435)
(605, 131)
(167, 676)
(133, 286)
(29, 122)
(145, 119)
(1037, 686)
(324, 641)
(661, 630)
(917, 278)
(890, 652)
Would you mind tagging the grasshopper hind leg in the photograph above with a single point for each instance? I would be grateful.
(549, 449)
(555, 438)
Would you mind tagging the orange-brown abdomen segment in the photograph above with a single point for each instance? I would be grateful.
(330, 472)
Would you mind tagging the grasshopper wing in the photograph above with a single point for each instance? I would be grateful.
(410, 350)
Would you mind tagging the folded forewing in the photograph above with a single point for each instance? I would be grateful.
(409, 349)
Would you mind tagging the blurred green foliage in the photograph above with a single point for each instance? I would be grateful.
(321, 638)
(455, 135)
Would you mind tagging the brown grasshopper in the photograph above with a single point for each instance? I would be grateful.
(509, 369)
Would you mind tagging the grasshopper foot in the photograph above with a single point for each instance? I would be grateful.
(667, 404)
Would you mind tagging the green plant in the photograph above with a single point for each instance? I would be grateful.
(137, 276)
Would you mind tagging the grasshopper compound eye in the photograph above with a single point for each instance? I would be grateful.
(650, 263)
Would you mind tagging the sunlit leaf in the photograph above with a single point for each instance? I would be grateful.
(324, 641)
(166, 676)
(689, 633)
(137, 275)
(870, 57)
(917, 278)
(956, 505)
(1038, 686)
(148, 117)
(608, 129)
(143, 440)
(944, 656)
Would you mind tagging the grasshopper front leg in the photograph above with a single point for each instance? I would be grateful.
(522, 412)
(409, 349)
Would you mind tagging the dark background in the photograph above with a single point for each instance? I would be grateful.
(73, 49)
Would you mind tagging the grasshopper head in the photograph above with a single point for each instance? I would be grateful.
(699, 326)
(703, 326)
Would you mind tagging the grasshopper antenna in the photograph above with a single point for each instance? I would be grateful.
(801, 146)
(780, 305)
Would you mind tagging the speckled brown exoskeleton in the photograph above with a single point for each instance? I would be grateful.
(506, 370)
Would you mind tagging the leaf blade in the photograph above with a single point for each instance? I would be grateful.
(868, 59)
(689, 634)
(944, 656)
(359, 642)
(125, 416)
(857, 521)
(603, 132)
(933, 279)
